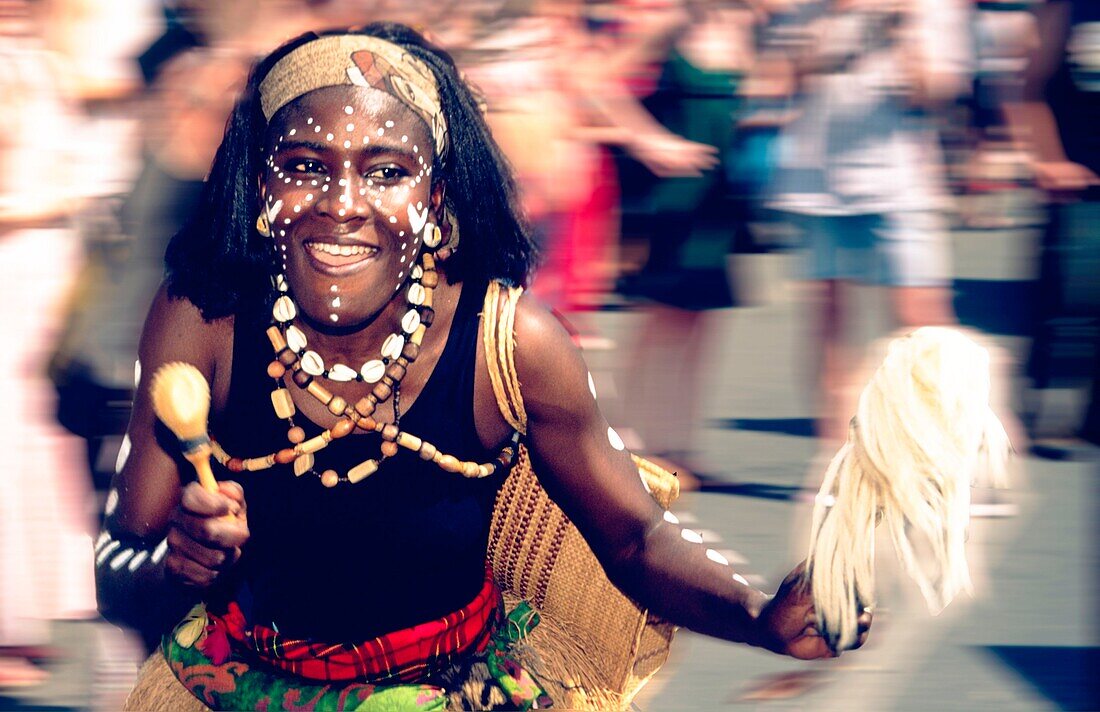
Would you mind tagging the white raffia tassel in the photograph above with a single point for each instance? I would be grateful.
(923, 433)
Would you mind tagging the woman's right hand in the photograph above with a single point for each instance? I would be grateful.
(207, 533)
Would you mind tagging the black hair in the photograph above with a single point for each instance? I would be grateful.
(221, 263)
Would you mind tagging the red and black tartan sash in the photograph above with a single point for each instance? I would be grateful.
(407, 655)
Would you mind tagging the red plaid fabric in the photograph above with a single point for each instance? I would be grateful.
(407, 655)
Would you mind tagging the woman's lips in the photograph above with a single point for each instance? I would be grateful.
(331, 257)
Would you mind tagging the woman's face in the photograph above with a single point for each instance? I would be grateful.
(347, 188)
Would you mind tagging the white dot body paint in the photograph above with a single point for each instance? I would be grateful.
(137, 372)
(691, 535)
(334, 288)
(106, 551)
(293, 131)
(336, 303)
(416, 149)
(740, 579)
(389, 124)
(347, 164)
(342, 212)
(309, 197)
(123, 453)
(329, 137)
(316, 129)
(349, 127)
(717, 558)
(393, 218)
(138, 559)
(160, 551)
(334, 317)
(377, 202)
(297, 208)
(348, 110)
(112, 503)
(102, 539)
(404, 139)
(324, 188)
(670, 517)
(121, 558)
(591, 385)
(381, 131)
(614, 439)
(309, 120)
(347, 144)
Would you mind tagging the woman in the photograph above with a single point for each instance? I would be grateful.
(352, 147)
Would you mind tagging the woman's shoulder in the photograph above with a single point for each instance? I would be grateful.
(175, 330)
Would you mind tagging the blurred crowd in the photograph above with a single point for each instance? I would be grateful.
(657, 143)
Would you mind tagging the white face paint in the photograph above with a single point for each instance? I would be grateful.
(374, 183)
(591, 385)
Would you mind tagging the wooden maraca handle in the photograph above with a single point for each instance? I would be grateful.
(200, 458)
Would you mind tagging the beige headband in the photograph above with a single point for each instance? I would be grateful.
(356, 60)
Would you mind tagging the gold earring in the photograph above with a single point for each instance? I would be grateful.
(262, 225)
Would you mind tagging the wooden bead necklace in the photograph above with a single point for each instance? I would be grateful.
(359, 415)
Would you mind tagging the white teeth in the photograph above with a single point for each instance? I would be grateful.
(340, 250)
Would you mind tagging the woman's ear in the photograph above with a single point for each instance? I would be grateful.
(439, 191)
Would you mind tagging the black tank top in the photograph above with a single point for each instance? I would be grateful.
(401, 547)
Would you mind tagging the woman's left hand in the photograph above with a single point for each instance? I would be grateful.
(788, 625)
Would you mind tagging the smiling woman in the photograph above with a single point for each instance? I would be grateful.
(344, 558)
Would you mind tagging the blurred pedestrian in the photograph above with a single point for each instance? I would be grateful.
(44, 538)
(860, 170)
(1058, 121)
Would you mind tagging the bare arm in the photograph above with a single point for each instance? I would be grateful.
(150, 565)
(1031, 121)
(652, 559)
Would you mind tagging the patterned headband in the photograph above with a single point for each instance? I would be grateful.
(356, 60)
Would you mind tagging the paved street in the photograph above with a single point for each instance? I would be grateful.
(1026, 641)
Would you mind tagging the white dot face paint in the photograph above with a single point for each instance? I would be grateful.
(740, 579)
(670, 517)
(615, 440)
(374, 183)
(591, 385)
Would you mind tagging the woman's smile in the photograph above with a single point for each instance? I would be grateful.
(339, 257)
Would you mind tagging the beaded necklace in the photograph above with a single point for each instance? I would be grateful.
(395, 363)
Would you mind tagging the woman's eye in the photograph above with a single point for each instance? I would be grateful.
(305, 165)
(386, 173)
